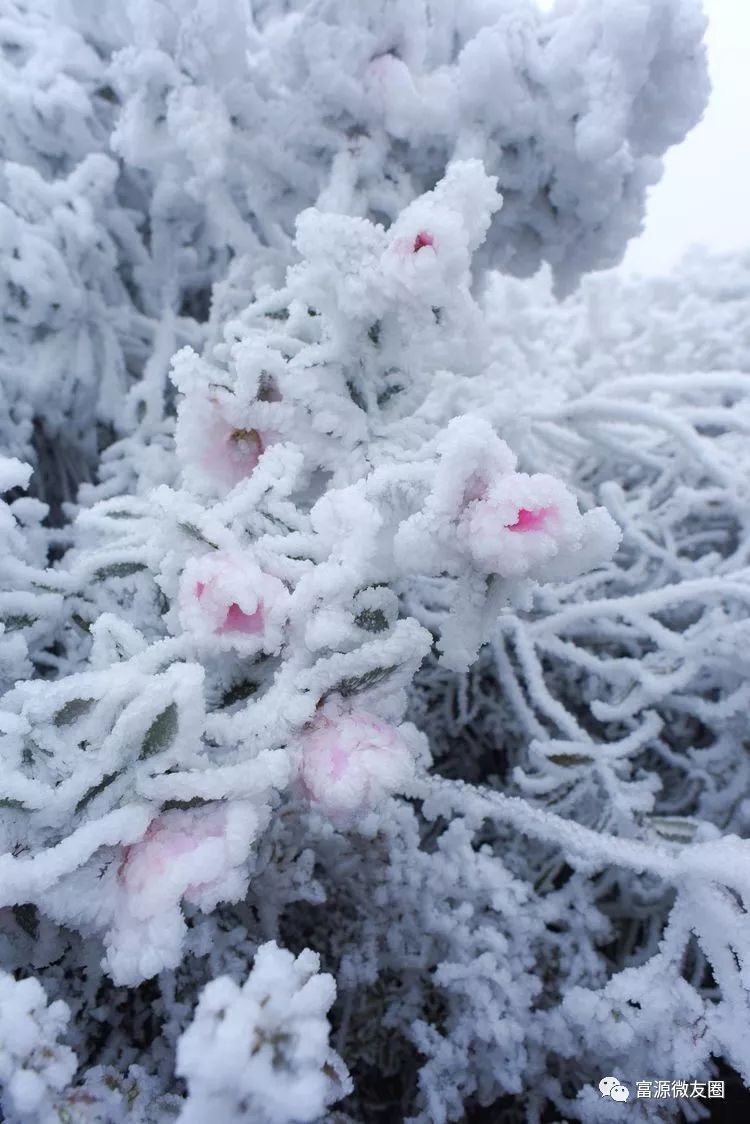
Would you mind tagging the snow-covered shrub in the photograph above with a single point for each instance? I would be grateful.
(399, 629)
(260, 1052)
(241, 115)
(149, 148)
(33, 1066)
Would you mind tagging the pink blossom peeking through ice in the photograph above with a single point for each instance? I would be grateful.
(530, 526)
(226, 599)
(352, 761)
(424, 238)
(530, 520)
(236, 619)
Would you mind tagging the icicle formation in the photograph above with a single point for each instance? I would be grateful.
(260, 1053)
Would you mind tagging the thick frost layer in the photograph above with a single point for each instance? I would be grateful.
(260, 1053)
(33, 1066)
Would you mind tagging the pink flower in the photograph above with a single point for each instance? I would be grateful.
(216, 442)
(409, 244)
(197, 855)
(350, 762)
(531, 520)
(178, 847)
(230, 453)
(236, 620)
(228, 601)
(424, 238)
(521, 524)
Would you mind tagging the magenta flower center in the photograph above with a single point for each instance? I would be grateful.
(236, 620)
(424, 238)
(530, 520)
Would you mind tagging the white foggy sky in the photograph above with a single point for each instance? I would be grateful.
(704, 196)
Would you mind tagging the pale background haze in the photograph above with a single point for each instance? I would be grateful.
(704, 196)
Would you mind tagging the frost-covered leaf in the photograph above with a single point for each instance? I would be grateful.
(17, 621)
(162, 732)
(97, 789)
(569, 760)
(354, 684)
(372, 620)
(72, 711)
(119, 570)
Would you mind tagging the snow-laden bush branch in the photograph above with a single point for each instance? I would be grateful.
(399, 619)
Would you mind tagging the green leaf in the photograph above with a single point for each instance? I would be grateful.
(27, 917)
(72, 711)
(185, 805)
(389, 392)
(161, 733)
(88, 796)
(356, 397)
(194, 533)
(239, 692)
(119, 570)
(278, 314)
(9, 802)
(372, 620)
(673, 829)
(108, 94)
(353, 684)
(23, 620)
(568, 760)
(373, 333)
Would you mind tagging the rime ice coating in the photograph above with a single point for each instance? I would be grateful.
(33, 1065)
(611, 712)
(260, 1052)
